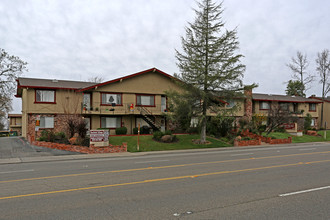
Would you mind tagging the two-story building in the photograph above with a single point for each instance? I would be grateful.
(130, 101)
(15, 123)
(296, 105)
(326, 111)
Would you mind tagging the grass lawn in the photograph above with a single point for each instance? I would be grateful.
(147, 144)
(302, 139)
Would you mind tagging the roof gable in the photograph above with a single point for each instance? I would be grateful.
(153, 70)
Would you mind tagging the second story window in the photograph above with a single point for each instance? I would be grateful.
(111, 99)
(312, 107)
(284, 106)
(145, 100)
(264, 106)
(45, 96)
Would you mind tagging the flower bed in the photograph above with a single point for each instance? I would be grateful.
(81, 149)
(257, 139)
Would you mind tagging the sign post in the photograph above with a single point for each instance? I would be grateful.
(138, 144)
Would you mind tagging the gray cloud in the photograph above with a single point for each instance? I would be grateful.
(79, 39)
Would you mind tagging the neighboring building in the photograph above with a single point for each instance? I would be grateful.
(298, 106)
(15, 123)
(326, 111)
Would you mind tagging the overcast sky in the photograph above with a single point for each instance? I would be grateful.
(75, 40)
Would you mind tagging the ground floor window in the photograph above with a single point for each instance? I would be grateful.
(110, 122)
(313, 122)
(46, 122)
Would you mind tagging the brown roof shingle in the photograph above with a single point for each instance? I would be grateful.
(51, 83)
(281, 98)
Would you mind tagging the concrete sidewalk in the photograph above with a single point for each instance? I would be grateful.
(128, 154)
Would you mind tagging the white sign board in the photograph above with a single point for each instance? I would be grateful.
(99, 137)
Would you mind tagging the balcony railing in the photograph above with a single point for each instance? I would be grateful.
(125, 108)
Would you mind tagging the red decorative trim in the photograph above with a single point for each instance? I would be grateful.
(311, 97)
(136, 95)
(38, 102)
(121, 97)
(129, 76)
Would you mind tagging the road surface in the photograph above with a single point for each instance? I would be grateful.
(271, 182)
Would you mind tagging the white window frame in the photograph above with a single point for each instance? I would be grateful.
(262, 107)
(110, 122)
(46, 122)
(145, 100)
(45, 96)
(117, 99)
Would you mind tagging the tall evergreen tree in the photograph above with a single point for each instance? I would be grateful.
(295, 87)
(208, 63)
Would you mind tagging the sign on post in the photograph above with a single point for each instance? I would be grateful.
(99, 138)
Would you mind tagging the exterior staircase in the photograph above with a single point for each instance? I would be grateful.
(149, 118)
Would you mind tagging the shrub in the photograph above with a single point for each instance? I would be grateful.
(60, 135)
(280, 129)
(145, 130)
(121, 130)
(135, 130)
(246, 138)
(81, 128)
(158, 135)
(308, 122)
(168, 132)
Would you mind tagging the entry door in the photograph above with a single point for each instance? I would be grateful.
(163, 105)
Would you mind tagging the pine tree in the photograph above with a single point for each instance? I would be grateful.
(208, 64)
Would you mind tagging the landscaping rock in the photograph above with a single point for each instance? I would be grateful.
(166, 139)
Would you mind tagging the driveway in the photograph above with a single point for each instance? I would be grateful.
(17, 147)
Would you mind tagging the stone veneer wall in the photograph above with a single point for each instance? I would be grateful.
(60, 125)
(248, 104)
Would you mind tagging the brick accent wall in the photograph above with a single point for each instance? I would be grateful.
(60, 125)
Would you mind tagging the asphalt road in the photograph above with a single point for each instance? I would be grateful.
(17, 147)
(273, 182)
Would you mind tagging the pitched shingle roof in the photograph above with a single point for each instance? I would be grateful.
(53, 84)
(281, 98)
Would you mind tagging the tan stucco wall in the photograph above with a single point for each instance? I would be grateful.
(301, 106)
(326, 115)
(66, 102)
(149, 83)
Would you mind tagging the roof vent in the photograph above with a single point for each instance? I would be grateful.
(54, 80)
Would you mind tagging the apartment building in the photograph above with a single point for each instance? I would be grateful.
(296, 105)
(15, 123)
(326, 111)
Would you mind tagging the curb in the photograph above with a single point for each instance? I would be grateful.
(128, 154)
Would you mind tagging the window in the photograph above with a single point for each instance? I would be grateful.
(46, 122)
(111, 99)
(87, 101)
(110, 122)
(312, 107)
(264, 105)
(313, 122)
(284, 106)
(145, 100)
(230, 103)
(46, 96)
